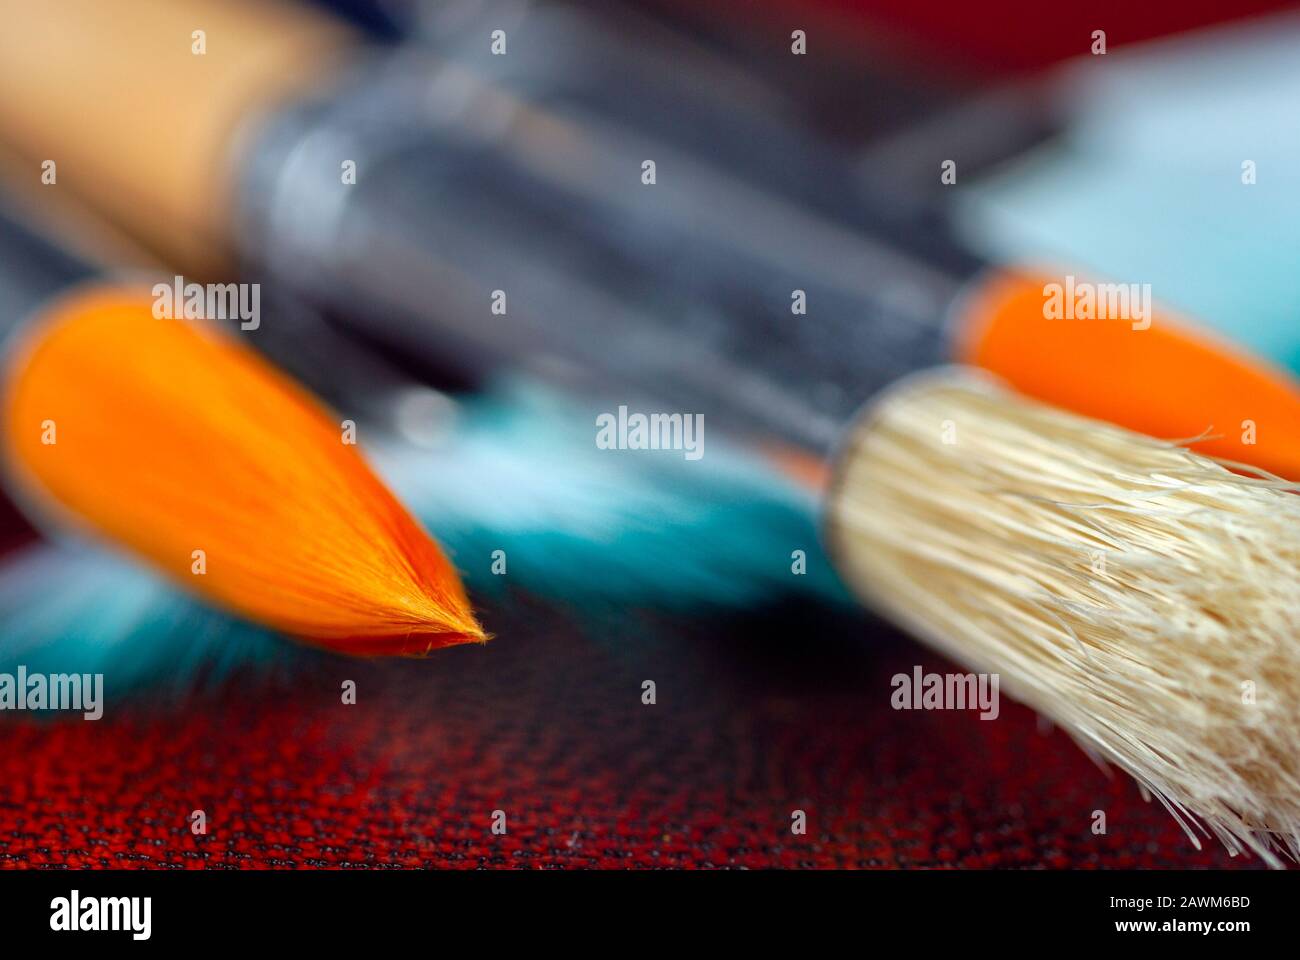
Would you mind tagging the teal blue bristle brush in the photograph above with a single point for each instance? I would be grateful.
(69, 609)
(518, 473)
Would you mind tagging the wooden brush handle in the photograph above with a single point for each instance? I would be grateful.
(139, 123)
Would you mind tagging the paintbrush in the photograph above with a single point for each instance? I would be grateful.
(1055, 206)
(172, 438)
(508, 481)
(621, 66)
(409, 197)
(1142, 596)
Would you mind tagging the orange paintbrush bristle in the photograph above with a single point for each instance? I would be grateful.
(179, 443)
(1161, 377)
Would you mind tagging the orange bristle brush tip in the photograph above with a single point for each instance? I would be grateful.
(1169, 380)
(172, 439)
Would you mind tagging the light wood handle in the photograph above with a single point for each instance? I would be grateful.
(138, 122)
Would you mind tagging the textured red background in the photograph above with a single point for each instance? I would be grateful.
(754, 719)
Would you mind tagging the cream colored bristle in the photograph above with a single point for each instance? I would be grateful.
(1145, 598)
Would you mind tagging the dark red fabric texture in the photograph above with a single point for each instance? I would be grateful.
(754, 719)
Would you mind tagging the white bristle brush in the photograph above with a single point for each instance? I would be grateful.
(1144, 597)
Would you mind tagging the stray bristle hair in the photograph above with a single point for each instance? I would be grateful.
(173, 440)
(1142, 596)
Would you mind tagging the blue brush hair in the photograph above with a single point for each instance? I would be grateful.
(1177, 169)
(510, 471)
(519, 472)
(78, 609)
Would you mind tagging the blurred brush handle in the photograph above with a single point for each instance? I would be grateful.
(33, 271)
(419, 197)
